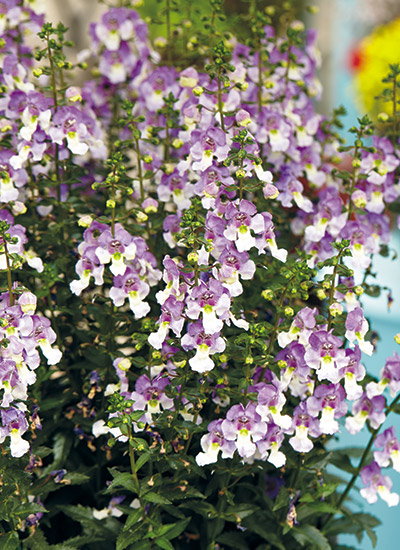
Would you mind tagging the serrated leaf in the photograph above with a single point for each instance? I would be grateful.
(156, 498)
(142, 545)
(132, 519)
(234, 540)
(310, 536)
(122, 479)
(141, 461)
(9, 541)
(257, 524)
(282, 500)
(124, 539)
(173, 530)
(164, 544)
(25, 510)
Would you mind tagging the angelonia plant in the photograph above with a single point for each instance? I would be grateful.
(184, 248)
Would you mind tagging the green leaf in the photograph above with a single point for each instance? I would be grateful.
(282, 500)
(124, 540)
(173, 530)
(234, 540)
(257, 524)
(25, 510)
(311, 537)
(122, 479)
(141, 461)
(141, 545)
(133, 518)
(9, 541)
(164, 544)
(156, 498)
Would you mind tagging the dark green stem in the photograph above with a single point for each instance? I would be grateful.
(9, 277)
(220, 107)
(362, 461)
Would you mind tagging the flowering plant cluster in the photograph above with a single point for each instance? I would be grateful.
(184, 246)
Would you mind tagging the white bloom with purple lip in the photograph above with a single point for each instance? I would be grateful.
(271, 400)
(304, 424)
(132, 287)
(268, 448)
(356, 328)
(389, 377)
(352, 373)
(211, 300)
(14, 425)
(171, 318)
(214, 443)
(330, 400)
(391, 449)
(207, 145)
(116, 249)
(325, 355)
(149, 396)
(233, 264)
(365, 409)
(377, 484)
(204, 344)
(244, 426)
(242, 217)
(300, 329)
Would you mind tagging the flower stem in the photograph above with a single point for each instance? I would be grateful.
(9, 277)
(362, 461)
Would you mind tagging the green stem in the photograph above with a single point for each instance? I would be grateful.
(220, 107)
(132, 460)
(394, 109)
(9, 277)
(169, 41)
(274, 330)
(362, 461)
(140, 170)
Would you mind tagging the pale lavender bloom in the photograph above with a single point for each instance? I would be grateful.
(389, 377)
(377, 484)
(268, 448)
(391, 449)
(242, 217)
(356, 328)
(129, 285)
(232, 264)
(214, 443)
(149, 396)
(304, 425)
(14, 425)
(212, 301)
(116, 249)
(171, 318)
(244, 426)
(271, 400)
(204, 344)
(366, 409)
(325, 355)
(206, 145)
(330, 400)
(352, 373)
(301, 328)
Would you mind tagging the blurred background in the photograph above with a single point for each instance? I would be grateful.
(357, 39)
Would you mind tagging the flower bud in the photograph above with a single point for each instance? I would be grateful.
(267, 294)
(198, 90)
(110, 203)
(383, 117)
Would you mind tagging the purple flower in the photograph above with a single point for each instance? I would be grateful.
(377, 484)
(391, 449)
